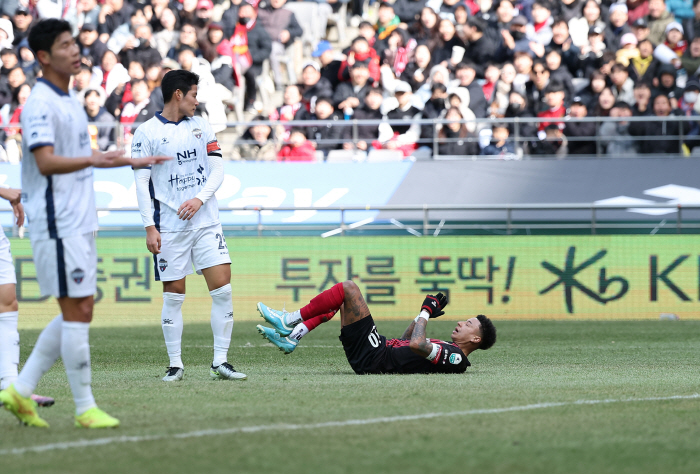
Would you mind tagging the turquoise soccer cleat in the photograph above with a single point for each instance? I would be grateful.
(276, 318)
(284, 344)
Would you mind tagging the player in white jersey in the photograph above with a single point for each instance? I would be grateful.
(9, 337)
(58, 196)
(181, 217)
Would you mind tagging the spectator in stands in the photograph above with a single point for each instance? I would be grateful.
(349, 95)
(535, 89)
(522, 61)
(580, 27)
(426, 30)
(569, 9)
(465, 75)
(114, 13)
(673, 46)
(89, 13)
(417, 71)
(298, 148)
(606, 100)
(167, 38)
(90, 45)
(28, 62)
(15, 78)
(360, 50)
(500, 144)
(515, 40)
(564, 45)
(141, 51)
(9, 62)
(691, 25)
(559, 72)
(292, 105)
(251, 46)
(554, 96)
(622, 85)
(19, 98)
(481, 46)
(366, 134)
(640, 28)
(659, 17)
(187, 10)
(258, 143)
(540, 31)
(553, 144)
(137, 110)
(93, 100)
(229, 19)
(399, 51)
(111, 73)
(203, 17)
(640, 65)
(505, 14)
(283, 28)
(454, 138)
(187, 39)
(387, 22)
(593, 52)
(367, 31)
(83, 79)
(666, 84)
(330, 66)
(402, 124)
(492, 74)
(449, 41)
(615, 136)
(434, 108)
(503, 87)
(314, 86)
(409, 11)
(617, 18)
(328, 134)
(6, 33)
(628, 49)
(681, 9)
(21, 24)
(580, 135)
(654, 129)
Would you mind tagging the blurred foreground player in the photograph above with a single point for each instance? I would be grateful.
(9, 337)
(181, 217)
(58, 195)
(366, 350)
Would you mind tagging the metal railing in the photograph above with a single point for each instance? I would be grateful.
(421, 220)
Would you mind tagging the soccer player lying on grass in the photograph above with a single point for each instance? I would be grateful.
(366, 350)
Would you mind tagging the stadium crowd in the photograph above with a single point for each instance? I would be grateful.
(456, 60)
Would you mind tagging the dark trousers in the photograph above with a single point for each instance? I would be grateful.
(250, 76)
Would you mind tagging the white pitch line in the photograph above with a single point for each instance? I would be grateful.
(84, 443)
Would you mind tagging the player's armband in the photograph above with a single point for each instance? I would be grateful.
(437, 348)
(213, 148)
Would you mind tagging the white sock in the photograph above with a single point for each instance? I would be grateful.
(44, 355)
(300, 330)
(293, 318)
(221, 322)
(171, 321)
(9, 349)
(75, 352)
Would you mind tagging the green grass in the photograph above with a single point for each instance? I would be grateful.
(533, 362)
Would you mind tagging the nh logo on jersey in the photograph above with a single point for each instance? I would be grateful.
(162, 264)
(186, 156)
(197, 133)
(455, 359)
(77, 275)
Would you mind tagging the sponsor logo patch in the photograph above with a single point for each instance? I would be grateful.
(162, 264)
(455, 359)
(77, 275)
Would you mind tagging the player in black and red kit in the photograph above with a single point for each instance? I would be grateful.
(367, 351)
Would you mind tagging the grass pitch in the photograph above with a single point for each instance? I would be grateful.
(281, 420)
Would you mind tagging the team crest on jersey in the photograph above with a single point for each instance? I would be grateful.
(455, 359)
(162, 264)
(197, 133)
(77, 275)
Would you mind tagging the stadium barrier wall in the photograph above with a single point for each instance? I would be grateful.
(516, 277)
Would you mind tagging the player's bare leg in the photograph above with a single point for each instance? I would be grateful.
(354, 306)
(172, 325)
(218, 280)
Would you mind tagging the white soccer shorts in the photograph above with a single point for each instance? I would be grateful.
(66, 267)
(7, 267)
(205, 248)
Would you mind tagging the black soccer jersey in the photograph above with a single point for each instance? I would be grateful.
(449, 360)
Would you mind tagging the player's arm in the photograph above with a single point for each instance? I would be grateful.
(50, 163)
(216, 177)
(432, 308)
(142, 177)
(409, 331)
(15, 197)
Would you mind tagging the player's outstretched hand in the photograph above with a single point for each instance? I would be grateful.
(18, 210)
(434, 305)
(153, 240)
(189, 208)
(116, 158)
(15, 198)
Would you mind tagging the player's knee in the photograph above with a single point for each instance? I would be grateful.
(349, 287)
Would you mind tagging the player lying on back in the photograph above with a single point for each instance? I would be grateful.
(181, 217)
(367, 351)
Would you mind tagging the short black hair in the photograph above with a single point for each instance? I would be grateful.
(327, 100)
(43, 35)
(488, 332)
(617, 67)
(177, 80)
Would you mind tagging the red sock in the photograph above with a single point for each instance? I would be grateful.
(329, 300)
(313, 323)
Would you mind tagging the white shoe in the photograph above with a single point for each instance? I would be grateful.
(173, 374)
(226, 372)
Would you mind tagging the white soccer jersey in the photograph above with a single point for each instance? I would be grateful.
(188, 141)
(60, 205)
